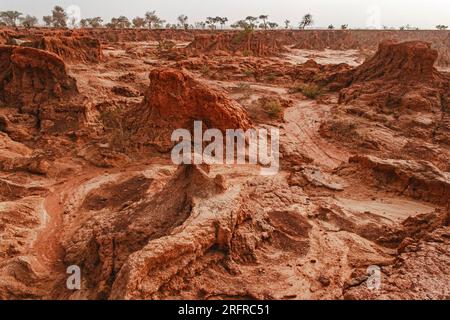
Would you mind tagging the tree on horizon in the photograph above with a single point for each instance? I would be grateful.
(264, 18)
(59, 17)
(29, 21)
(183, 20)
(10, 18)
(306, 21)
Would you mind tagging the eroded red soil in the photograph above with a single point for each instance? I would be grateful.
(86, 177)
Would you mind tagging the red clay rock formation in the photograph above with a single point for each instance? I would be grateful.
(174, 100)
(29, 77)
(4, 38)
(399, 76)
(181, 211)
(332, 76)
(417, 179)
(241, 43)
(36, 82)
(336, 40)
(71, 49)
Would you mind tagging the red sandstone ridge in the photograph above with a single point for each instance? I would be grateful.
(70, 49)
(30, 76)
(399, 75)
(175, 100)
(244, 43)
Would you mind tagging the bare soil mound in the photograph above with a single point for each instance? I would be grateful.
(36, 82)
(399, 75)
(31, 76)
(174, 100)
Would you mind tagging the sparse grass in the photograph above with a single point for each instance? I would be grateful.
(272, 108)
(165, 45)
(249, 73)
(242, 86)
(271, 77)
(204, 70)
(343, 130)
(241, 36)
(311, 91)
(112, 121)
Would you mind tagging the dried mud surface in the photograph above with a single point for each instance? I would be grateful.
(86, 178)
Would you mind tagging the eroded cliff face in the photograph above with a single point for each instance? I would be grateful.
(71, 49)
(236, 43)
(364, 178)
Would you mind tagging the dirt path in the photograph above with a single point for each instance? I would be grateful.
(302, 134)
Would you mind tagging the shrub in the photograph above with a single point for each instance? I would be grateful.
(271, 77)
(272, 108)
(249, 73)
(311, 91)
(204, 70)
(112, 121)
(242, 86)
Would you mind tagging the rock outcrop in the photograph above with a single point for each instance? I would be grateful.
(399, 76)
(416, 179)
(30, 77)
(36, 82)
(174, 100)
(71, 49)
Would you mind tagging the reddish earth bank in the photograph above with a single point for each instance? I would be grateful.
(86, 178)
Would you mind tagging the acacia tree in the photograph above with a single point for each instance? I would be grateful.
(243, 24)
(183, 20)
(152, 20)
(59, 17)
(272, 25)
(344, 26)
(441, 27)
(287, 23)
(48, 20)
(252, 21)
(306, 21)
(330, 27)
(9, 18)
(29, 21)
(138, 22)
(222, 21)
(123, 22)
(264, 18)
(95, 22)
(200, 25)
(211, 22)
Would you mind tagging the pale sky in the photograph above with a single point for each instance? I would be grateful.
(425, 14)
